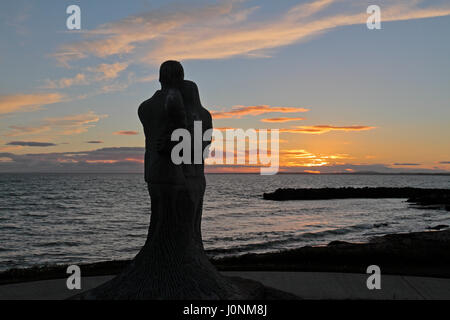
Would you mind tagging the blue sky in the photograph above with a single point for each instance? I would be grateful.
(66, 88)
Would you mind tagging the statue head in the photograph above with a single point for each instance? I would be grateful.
(171, 74)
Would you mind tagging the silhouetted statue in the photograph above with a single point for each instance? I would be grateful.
(172, 263)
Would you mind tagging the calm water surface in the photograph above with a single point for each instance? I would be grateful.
(79, 218)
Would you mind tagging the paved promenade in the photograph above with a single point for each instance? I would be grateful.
(307, 285)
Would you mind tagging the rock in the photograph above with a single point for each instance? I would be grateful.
(338, 243)
(428, 198)
(432, 200)
(438, 227)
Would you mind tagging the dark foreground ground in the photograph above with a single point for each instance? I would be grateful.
(420, 253)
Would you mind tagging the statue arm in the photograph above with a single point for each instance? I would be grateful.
(207, 126)
(177, 119)
(175, 109)
(141, 114)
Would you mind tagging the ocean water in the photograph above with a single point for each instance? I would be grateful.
(80, 218)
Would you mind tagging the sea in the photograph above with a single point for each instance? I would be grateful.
(48, 219)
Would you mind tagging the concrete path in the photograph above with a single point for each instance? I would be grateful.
(308, 285)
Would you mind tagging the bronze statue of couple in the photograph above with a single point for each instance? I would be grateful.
(172, 263)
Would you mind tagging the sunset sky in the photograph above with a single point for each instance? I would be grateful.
(344, 97)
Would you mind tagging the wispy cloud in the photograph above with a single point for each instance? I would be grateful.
(131, 159)
(109, 71)
(149, 78)
(406, 164)
(74, 124)
(223, 30)
(319, 129)
(240, 111)
(79, 79)
(312, 171)
(332, 168)
(27, 102)
(6, 148)
(19, 20)
(67, 125)
(26, 130)
(126, 133)
(300, 23)
(123, 84)
(94, 141)
(281, 119)
(102, 72)
(128, 159)
(121, 37)
(304, 158)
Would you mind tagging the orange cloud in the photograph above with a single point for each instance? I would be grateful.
(74, 124)
(79, 79)
(224, 128)
(102, 72)
(303, 158)
(67, 125)
(281, 119)
(121, 37)
(232, 169)
(24, 130)
(137, 160)
(148, 78)
(9, 148)
(298, 24)
(218, 31)
(101, 161)
(126, 133)
(27, 102)
(240, 111)
(319, 129)
(109, 71)
(109, 161)
(311, 171)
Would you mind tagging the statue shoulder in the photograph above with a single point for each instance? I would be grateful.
(150, 103)
(205, 115)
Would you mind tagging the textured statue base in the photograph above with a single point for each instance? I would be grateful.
(172, 263)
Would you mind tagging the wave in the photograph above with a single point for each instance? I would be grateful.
(293, 239)
(58, 244)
